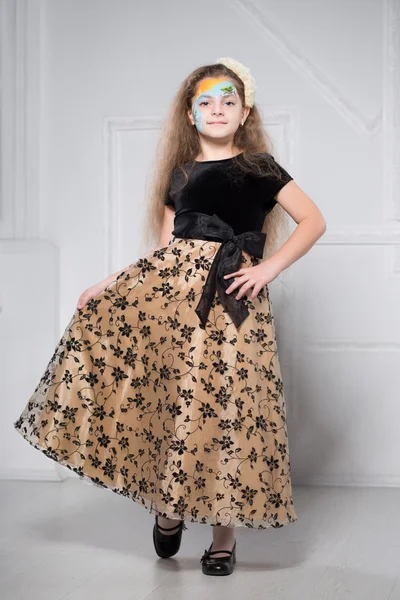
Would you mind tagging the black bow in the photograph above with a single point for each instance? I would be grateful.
(227, 259)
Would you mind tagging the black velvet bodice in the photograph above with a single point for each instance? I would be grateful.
(242, 202)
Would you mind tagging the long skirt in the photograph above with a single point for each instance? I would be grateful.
(142, 399)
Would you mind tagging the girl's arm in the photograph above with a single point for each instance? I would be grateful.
(166, 236)
(167, 226)
(311, 225)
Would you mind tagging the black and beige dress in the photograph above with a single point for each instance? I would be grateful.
(167, 390)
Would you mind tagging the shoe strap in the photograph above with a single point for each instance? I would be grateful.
(208, 553)
(180, 525)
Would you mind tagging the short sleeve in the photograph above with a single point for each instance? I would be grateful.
(278, 180)
(274, 179)
(168, 201)
(170, 195)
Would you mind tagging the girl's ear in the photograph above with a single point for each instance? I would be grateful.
(190, 117)
(245, 112)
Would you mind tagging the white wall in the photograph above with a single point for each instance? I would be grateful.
(85, 84)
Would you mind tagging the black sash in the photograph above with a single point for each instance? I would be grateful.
(202, 226)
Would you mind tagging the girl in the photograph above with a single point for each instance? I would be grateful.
(166, 385)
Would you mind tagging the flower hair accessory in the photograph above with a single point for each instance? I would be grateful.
(244, 74)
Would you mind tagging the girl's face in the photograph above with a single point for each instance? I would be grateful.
(217, 109)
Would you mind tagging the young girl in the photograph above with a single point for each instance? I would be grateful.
(166, 385)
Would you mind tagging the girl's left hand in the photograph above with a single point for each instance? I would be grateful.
(248, 277)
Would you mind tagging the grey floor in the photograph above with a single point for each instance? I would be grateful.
(72, 541)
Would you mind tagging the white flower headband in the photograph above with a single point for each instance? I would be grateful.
(245, 75)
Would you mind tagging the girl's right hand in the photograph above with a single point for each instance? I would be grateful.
(91, 292)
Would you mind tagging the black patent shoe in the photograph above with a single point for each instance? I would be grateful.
(167, 545)
(218, 565)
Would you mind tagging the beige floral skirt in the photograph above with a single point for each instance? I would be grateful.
(187, 420)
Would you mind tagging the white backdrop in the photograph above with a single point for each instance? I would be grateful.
(84, 87)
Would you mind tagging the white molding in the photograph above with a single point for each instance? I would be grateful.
(286, 117)
(113, 127)
(7, 153)
(365, 235)
(21, 48)
(24, 246)
(392, 262)
(366, 126)
(391, 110)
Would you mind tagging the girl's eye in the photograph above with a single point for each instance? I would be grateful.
(228, 101)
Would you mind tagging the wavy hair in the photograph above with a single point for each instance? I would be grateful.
(179, 145)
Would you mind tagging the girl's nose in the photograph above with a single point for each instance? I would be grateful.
(218, 108)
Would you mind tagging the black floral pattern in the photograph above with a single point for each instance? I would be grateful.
(186, 419)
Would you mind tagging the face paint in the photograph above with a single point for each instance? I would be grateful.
(207, 90)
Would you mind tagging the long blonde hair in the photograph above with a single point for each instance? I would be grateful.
(179, 144)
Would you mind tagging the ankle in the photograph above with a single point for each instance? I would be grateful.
(168, 523)
(223, 537)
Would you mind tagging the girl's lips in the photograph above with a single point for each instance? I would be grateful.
(218, 123)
